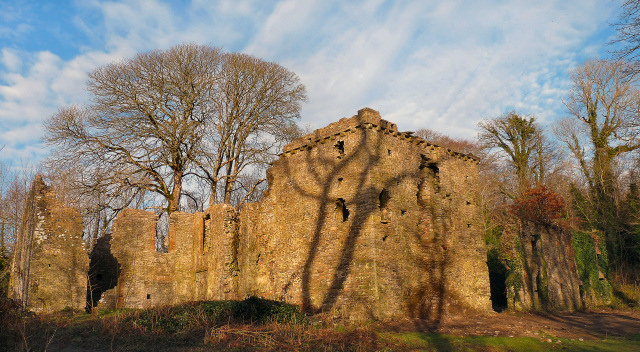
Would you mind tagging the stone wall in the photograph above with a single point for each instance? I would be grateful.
(360, 221)
(50, 263)
(548, 270)
(201, 263)
(367, 222)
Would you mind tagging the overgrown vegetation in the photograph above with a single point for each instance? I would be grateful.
(187, 324)
(592, 264)
(250, 325)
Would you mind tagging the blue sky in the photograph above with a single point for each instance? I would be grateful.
(443, 65)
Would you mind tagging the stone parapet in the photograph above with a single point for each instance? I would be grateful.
(366, 118)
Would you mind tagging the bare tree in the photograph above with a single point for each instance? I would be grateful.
(458, 144)
(255, 105)
(15, 181)
(172, 124)
(602, 128)
(88, 189)
(628, 31)
(147, 118)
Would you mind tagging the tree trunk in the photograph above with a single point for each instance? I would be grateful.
(174, 198)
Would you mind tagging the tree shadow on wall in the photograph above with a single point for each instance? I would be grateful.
(362, 201)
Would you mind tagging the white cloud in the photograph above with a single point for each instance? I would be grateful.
(494, 57)
(441, 65)
(10, 59)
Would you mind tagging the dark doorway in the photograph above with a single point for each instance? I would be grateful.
(497, 281)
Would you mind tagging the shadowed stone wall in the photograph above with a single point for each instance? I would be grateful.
(50, 263)
(549, 275)
(360, 221)
(367, 222)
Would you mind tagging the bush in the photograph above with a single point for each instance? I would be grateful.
(539, 205)
(208, 313)
(11, 320)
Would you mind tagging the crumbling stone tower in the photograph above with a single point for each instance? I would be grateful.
(50, 263)
(368, 222)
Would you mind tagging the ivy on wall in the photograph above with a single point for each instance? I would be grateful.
(593, 266)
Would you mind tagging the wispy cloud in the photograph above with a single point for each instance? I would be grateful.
(441, 65)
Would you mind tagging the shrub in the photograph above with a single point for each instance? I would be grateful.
(539, 205)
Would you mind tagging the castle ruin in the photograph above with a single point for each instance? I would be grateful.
(359, 220)
(50, 263)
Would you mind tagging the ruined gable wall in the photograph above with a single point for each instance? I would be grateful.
(145, 276)
(327, 242)
(251, 275)
(465, 271)
(49, 269)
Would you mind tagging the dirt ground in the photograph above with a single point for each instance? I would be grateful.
(578, 325)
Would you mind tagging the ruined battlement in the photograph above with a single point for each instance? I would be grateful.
(360, 221)
(366, 118)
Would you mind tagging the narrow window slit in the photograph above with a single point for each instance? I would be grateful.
(342, 210)
(383, 205)
(340, 148)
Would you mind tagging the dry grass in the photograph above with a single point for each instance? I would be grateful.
(251, 325)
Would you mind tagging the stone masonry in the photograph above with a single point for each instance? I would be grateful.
(360, 221)
(50, 263)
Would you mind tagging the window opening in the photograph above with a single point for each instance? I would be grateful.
(383, 205)
(429, 171)
(206, 236)
(340, 148)
(342, 210)
(383, 198)
(429, 180)
(148, 296)
(389, 152)
(162, 233)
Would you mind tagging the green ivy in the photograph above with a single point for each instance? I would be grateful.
(589, 264)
